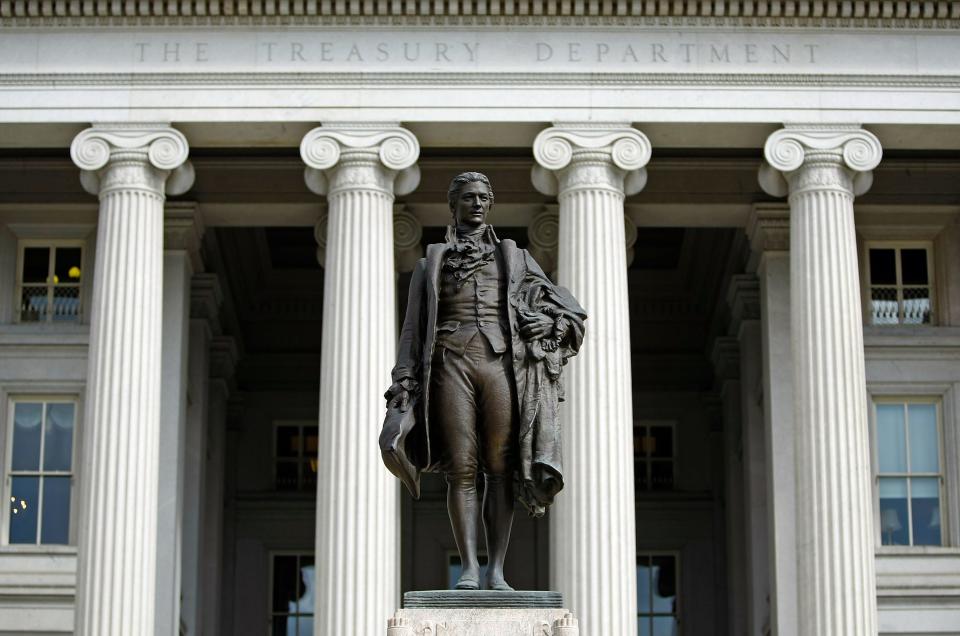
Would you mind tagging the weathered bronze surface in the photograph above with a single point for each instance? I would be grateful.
(477, 382)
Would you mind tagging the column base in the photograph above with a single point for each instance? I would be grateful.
(482, 613)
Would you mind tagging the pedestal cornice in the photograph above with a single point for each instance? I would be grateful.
(150, 157)
(590, 156)
(378, 157)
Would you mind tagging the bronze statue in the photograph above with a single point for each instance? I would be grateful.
(477, 383)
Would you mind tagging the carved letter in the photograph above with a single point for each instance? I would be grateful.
(442, 52)
(143, 48)
(354, 53)
(602, 51)
(169, 51)
(720, 55)
(777, 52)
(472, 52)
(296, 52)
(573, 51)
(750, 50)
(687, 47)
(202, 52)
(382, 53)
(326, 54)
(657, 53)
(269, 46)
(629, 52)
(544, 51)
(406, 52)
(813, 49)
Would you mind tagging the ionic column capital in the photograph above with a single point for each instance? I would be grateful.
(361, 157)
(407, 232)
(590, 156)
(811, 157)
(149, 157)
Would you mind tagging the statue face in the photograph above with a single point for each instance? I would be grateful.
(473, 203)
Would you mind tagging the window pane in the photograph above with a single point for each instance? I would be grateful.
(913, 267)
(280, 625)
(307, 586)
(884, 309)
(645, 626)
(640, 475)
(58, 445)
(285, 578)
(36, 264)
(893, 511)
(67, 265)
(664, 584)
(286, 475)
(288, 441)
(66, 304)
(27, 417)
(924, 441)
(33, 303)
(883, 267)
(310, 442)
(891, 440)
(662, 441)
(56, 510)
(925, 501)
(916, 306)
(664, 626)
(24, 502)
(643, 585)
(661, 474)
(305, 626)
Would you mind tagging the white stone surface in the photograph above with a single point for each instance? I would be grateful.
(592, 532)
(118, 511)
(483, 622)
(358, 507)
(836, 584)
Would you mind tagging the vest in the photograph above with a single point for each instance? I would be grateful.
(477, 307)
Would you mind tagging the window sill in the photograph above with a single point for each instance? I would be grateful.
(917, 550)
(910, 336)
(38, 550)
(37, 334)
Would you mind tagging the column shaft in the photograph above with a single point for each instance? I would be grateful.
(117, 546)
(837, 591)
(824, 166)
(592, 524)
(358, 506)
(116, 581)
(358, 544)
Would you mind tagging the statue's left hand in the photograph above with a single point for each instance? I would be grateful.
(535, 325)
(398, 396)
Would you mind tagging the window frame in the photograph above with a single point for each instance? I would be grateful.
(10, 399)
(898, 246)
(678, 609)
(944, 396)
(53, 244)
(302, 458)
(271, 614)
(648, 461)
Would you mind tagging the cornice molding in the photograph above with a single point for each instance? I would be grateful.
(799, 13)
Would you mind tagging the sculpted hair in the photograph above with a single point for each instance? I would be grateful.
(463, 179)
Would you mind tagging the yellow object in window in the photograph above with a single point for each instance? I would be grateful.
(74, 272)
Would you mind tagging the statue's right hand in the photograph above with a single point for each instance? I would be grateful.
(398, 398)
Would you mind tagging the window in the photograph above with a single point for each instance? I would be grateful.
(295, 455)
(653, 455)
(40, 471)
(657, 577)
(293, 586)
(909, 472)
(900, 284)
(48, 281)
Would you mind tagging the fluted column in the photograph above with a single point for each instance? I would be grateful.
(130, 167)
(592, 529)
(358, 168)
(822, 168)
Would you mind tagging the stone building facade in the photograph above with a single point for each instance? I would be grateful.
(209, 212)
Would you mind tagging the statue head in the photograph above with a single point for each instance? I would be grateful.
(470, 197)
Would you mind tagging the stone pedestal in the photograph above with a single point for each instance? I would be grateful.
(482, 613)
